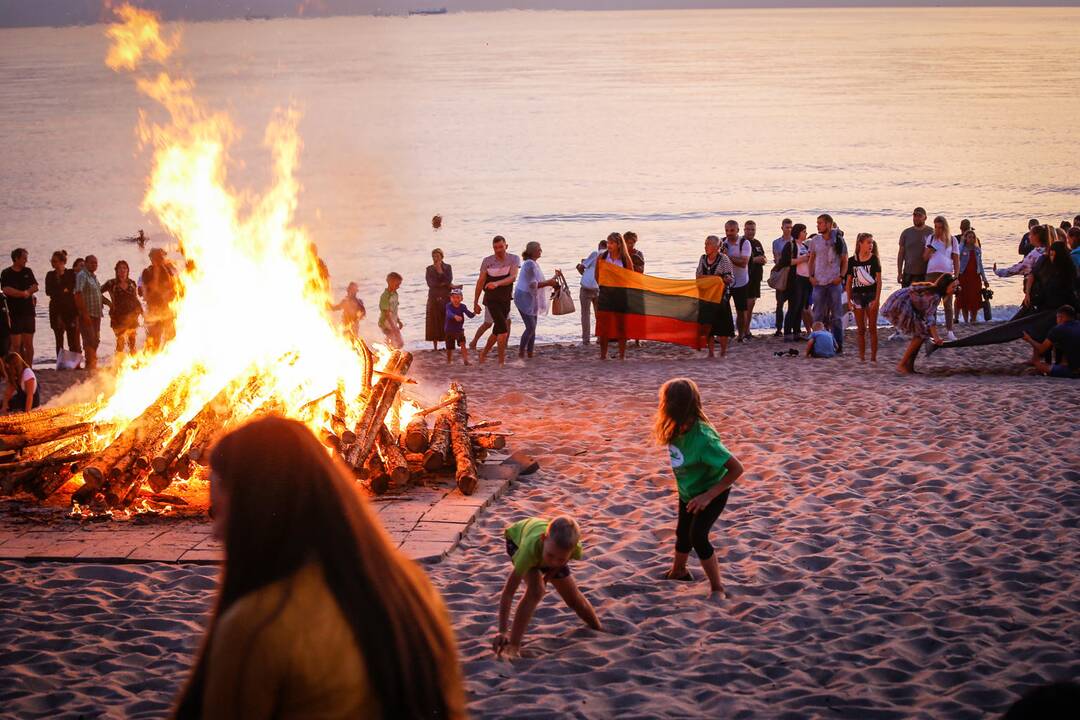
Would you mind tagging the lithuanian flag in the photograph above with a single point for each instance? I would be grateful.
(642, 307)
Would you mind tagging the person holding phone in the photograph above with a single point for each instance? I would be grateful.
(942, 255)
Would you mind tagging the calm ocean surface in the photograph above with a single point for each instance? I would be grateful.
(561, 127)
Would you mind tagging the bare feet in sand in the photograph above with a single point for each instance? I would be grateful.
(717, 596)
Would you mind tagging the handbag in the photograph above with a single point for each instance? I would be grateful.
(68, 360)
(987, 293)
(561, 302)
(778, 278)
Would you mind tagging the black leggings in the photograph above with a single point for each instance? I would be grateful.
(692, 532)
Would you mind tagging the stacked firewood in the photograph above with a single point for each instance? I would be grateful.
(40, 451)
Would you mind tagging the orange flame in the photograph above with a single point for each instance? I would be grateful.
(252, 293)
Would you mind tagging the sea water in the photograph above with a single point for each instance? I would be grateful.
(561, 127)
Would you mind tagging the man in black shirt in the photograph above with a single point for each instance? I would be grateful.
(19, 287)
(1025, 242)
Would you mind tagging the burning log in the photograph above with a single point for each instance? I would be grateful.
(489, 441)
(438, 452)
(114, 469)
(368, 363)
(392, 456)
(19, 423)
(48, 433)
(380, 400)
(416, 435)
(484, 425)
(466, 475)
(375, 472)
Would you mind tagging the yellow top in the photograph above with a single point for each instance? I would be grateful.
(286, 651)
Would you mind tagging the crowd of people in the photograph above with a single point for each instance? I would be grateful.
(77, 304)
(817, 279)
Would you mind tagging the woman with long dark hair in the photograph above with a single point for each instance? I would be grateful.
(122, 297)
(913, 311)
(796, 255)
(317, 614)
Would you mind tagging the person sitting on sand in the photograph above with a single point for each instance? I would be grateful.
(913, 312)
(21, 393)
(454, 325)
(704, 471)
(317, 614)
(352, 310)
(821, 343)
(1064, 338)
(540, 552)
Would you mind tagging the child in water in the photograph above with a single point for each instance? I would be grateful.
(389, 322)
(540, 551)
(704, 472)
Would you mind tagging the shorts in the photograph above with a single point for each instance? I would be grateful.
(557, 574)
(1063, 371)
(740, 295)
(862, 297)
(500, 316)
(452, 338)
(23, 324)
(754, 288)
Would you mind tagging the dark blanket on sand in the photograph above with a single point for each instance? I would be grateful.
(1035, 323)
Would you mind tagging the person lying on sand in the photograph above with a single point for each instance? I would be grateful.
(704, 472)
(540, 552)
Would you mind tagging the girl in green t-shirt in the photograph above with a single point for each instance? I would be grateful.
(704, 472)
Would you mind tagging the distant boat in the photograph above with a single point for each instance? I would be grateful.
(257, 17)
(428, 11)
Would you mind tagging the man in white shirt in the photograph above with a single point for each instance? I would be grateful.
(738, 250)
(778, 246)
(590, 290)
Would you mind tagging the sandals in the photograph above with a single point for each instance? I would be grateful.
(685, 577)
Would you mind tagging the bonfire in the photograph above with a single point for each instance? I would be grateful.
(233, 356)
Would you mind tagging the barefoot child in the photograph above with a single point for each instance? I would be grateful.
(540, 552)
(454, 328)
(704, 472)
(389, 322)
(821, 343)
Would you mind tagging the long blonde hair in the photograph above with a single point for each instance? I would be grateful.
(14, 366)
(679, 408)
(945, 224)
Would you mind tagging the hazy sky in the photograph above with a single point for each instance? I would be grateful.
(66, 12)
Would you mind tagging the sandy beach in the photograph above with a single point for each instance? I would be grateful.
(899, 547)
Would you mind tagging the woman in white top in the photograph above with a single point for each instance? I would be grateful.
(21, 393)
(529, 295)
(942, 255)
